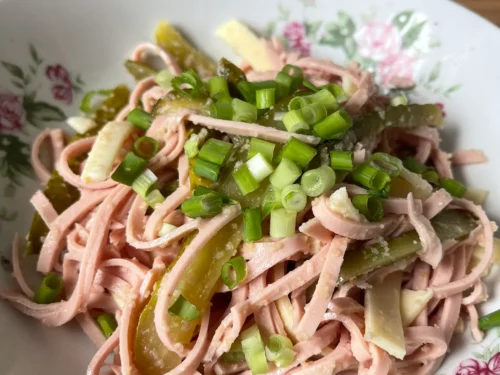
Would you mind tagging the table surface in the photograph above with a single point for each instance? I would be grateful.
(489, 9)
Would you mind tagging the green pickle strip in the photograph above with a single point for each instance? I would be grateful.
(61, 194)
(198, 284)
(139, 70)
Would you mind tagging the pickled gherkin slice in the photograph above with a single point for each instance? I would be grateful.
(232, 74)
(184, 53)
(58, 192)
(173, 102)
(139, 70)
(198, 284)
(450, 224)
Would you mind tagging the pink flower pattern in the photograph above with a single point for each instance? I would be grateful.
(295, 33)
(477, 367)
(396, 70)
(11, 112)
(378, 41)
(62, 89)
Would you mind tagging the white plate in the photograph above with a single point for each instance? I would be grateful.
(59, 49)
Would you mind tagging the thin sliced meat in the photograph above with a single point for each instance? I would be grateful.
(44, 208)
(16, 269)
(324, 289)
(432, 250)
(313, 228)
(90, 328)
(467, 157)
(41, 171)
(436, 203)
(263, 316)
(97, 362)
(350, 228)
(150, 48)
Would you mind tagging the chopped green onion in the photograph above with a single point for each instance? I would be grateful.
(264, 98)
(294, 121)
(154, 198)
(308, 84)
(202, 190)
(342, 160)
(298, 152)
(244, 179)
(244, 112)
(222, 108)
(388, 163)
(271, 201)
(318, 181)
(489, 321)
(334, 126)
(140, 118)
(369, 205)
(285, 174)
(260, 85)
(399, 100)
(293, 198)
(191, 79)
(247, 91)
(279, 350)
(165, 229)
(298, 102)
(215, 151)
(455, 188)
(206, 169)
(282, 223)
(314, 113)
(218, 87)
(146, 147)
(382, 194)
(259, 167)
(252, 227)
(284, 84)
(326, 98)
(108, 324)
(234, 270)
(129, 169)
(253, 349)
(86, 105)
(206, 205)
(164, 79)
(235, 354)
(338, 92)
(258, 146)
(370, 177)
(184, 309)
(49, 290)
(431, 176)
(191, 146)
(297, 76)
(145, 183)
(414, 165)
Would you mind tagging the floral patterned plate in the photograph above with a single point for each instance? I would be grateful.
(53, 50)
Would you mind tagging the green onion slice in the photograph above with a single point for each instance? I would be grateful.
(324, 97)
(146, 147)
(217, 87)
(234, 271)
(489, 321)
(259, 167)
(258, 146)
(285, 174)
(191, 146)
(279, 350)
(191, 79)
(252, 227)
(297, 76)
(298, 102)
(253, 349)
(294, 121)
(243, 111)
(334, 126)
(244, 179)
(370, 177)
(272, 200)
(309, 85)
(222, 108)
(284, 84)
(145, 183)
(293, 198)
(247, 91)
(235, 354)
(206, 205)
(49, 290)
(283, 223)
(370, 206)
(455, 188)
(337, 91)
(184, 309)
(265, 98)
(216, 151)
(431, 176)
(388, 163)
(414, 165)
(155, 198)
(88, 104)
(318, 181)
(164, 79)
(129, 169)
(298, 152)
(206, 169)
(107, 323)
(342, 160)
(140, 118)
(202, 190)
(314, 113)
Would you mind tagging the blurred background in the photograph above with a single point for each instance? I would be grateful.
(489, 9)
